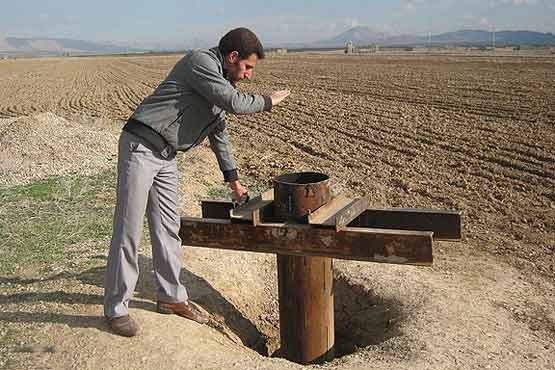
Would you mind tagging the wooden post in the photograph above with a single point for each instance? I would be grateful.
(305, 283)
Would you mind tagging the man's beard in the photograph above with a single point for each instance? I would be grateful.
(231, 76)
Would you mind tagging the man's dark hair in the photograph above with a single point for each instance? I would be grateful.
(243, 41)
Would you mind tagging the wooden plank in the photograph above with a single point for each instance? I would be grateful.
(325, 215)
(350, 212)
(445, 224)
(375, 245)
(216, 208)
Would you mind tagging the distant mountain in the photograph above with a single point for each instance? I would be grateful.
(365, 36)
(501, 37)
(54, 46)
(358, 35)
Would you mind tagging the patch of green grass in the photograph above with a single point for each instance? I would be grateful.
(219, 191)
(222, 191)
(256, 189)
(41, 219)
(41, 190)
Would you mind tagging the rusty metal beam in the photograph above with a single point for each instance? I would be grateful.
(253, 212)
(325, 215)
(445, 224)
(344, 217)
(216, 208)
(374, 245)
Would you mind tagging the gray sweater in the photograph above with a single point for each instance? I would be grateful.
(190, 104)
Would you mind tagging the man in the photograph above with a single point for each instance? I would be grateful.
(188, 106)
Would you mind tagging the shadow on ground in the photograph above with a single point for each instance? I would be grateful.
(361, 317)
(200, 291)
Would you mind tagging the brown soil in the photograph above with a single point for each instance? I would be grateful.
(473, 134)
(42, 145)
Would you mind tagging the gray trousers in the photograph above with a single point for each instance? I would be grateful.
(146, 182)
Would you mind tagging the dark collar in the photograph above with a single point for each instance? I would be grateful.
(218, 53)
(220, 57)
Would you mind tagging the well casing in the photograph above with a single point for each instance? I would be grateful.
(305, 283)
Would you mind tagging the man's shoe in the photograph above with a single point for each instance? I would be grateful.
(183, 309)
(123, 325)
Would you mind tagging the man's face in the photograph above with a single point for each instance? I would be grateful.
(239, 69)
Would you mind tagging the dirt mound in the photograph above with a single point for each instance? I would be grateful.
(43, 145)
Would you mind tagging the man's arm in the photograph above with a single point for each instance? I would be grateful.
(205, 78)
(221, 146)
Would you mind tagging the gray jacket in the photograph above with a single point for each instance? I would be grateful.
(190, 104)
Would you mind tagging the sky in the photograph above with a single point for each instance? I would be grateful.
(173, 21)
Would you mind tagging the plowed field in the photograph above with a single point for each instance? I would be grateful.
(475, 134)
(470, 133)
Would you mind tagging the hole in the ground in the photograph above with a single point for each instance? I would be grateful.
(361, 319)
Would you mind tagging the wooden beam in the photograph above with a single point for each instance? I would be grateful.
(375, 245)
(445, 224)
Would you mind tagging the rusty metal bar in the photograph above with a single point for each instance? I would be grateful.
(373, 245)
(216, 209)
(445, 224)
(325, 215)
(350, 212)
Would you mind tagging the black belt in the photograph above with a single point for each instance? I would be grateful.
(156, 141)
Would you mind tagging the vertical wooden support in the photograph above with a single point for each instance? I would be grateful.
(305, 283)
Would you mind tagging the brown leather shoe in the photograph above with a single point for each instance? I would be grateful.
(123, 325)
(183, 309)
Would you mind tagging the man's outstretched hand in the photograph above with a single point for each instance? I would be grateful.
(239, 192)
(278, 96)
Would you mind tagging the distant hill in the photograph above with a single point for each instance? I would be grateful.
(358, 35)
(501, 37)
(55, 46)
(365, 36)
